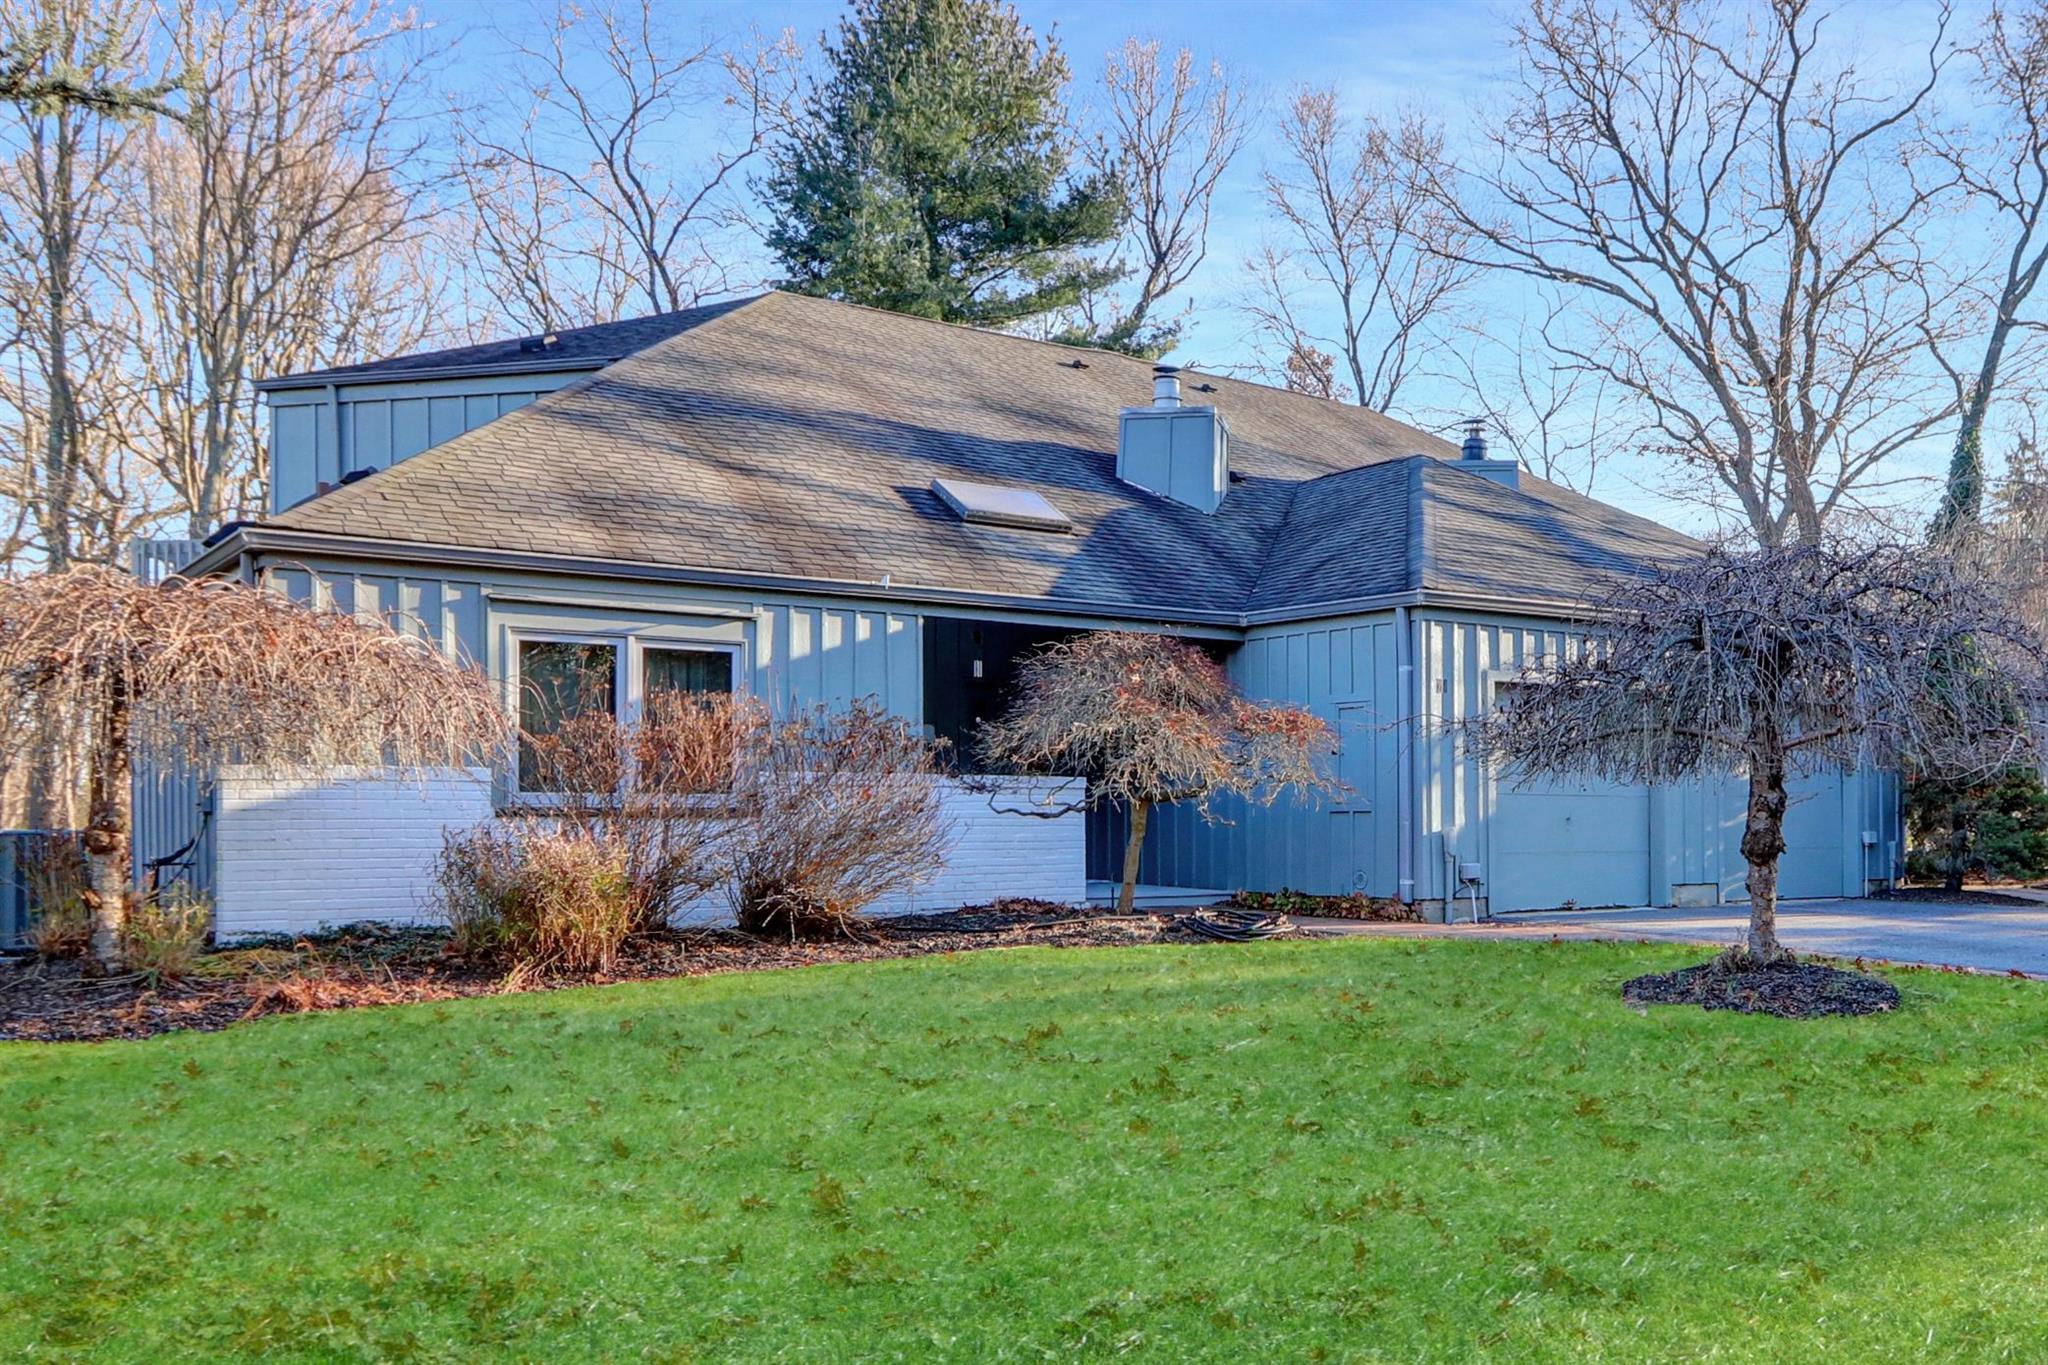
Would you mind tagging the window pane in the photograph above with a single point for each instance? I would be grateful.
(559, 681)
(682, 748)
(686, 670)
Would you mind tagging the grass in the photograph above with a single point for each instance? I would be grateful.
(1372, 1149)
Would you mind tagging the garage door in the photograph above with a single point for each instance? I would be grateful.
(1584, 845)
(1812, 865)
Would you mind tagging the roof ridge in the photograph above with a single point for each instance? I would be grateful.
(1418, 540)
(1071, 349)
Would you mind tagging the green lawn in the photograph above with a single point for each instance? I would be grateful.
(1373, 1149)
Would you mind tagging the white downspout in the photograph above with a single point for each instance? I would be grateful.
(1404, 673)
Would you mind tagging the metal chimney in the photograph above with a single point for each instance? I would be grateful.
(1475, 438)
(1165, 386)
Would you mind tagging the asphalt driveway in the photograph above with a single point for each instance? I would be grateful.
(1995, 938)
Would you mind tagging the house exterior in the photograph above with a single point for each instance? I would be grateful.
(815, 502)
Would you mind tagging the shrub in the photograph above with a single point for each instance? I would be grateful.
(1996, 829)
(652, 791)
(54, 871)
(164, 935)
(834, 810)
(542, 899)
(62, 930)
(475, 879)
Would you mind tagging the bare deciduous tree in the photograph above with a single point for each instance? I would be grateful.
(1547, 404)
(72, 485)
(2008, 174)
(1785, 662)
(1358, 242)
(207, 671)
(1171, 132)
(1150, 719)
(1744, 218)
(274, 230)
(588, 210)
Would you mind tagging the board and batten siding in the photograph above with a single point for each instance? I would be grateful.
(321, 434)
(1344, 671)
(1695, 827)
(799, 652)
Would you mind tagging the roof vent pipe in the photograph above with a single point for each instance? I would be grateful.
(1475, 438)
(1165, 386)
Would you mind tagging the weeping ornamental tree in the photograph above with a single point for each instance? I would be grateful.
(1782, 663)
(1149, 719)
(213, 671)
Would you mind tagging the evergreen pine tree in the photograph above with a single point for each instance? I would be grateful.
(933, 173)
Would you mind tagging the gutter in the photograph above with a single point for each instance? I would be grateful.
(234, 540)
(282, 540)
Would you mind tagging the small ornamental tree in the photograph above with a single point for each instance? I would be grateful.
(1781, 663)
(212, 671)
(1150, 719)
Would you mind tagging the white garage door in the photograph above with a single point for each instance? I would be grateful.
(1569, 844)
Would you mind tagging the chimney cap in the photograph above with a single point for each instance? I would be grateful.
(1475, 438)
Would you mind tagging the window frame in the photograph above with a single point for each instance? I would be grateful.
(629, 651)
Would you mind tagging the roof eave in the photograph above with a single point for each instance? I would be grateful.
(227, 553)
(288, 540)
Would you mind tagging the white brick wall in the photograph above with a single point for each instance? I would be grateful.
(296, 853)
(1000, 851)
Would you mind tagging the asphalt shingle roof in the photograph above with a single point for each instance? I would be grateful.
(596, 345)
(796, 436)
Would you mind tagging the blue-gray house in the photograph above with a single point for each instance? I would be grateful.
(816, 501)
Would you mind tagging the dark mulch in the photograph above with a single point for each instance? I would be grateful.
(386, 965)
(1935, 895)
(1356, 906)
(1789, 990)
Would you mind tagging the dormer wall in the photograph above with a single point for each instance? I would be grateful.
(322, 433)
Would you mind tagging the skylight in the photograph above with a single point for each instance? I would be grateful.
(993, 505)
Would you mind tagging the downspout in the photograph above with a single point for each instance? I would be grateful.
(1404, 673)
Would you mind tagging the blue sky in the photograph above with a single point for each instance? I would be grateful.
(1446, 58)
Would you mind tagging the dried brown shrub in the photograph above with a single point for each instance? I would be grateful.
(539, 899)
(833, 810)
(54, 874)
(654, 791)
(164, 936)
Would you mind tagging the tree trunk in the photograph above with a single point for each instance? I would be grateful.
(106, 829)
(1763, 841)
(1127, 895)
(1958, 845)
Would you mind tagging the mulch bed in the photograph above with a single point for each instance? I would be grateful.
(1935, 895)
(1789, 990)
(1356, 906)
(385, 965)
